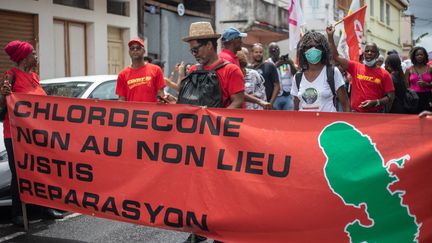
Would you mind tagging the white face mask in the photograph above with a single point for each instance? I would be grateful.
(370, 63)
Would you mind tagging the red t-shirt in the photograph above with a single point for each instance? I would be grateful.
(27, 83)
(140, 84)
(368, 84)
(230, 77)
(227, 55)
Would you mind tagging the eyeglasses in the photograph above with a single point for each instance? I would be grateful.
(135, 48)
(194, 50)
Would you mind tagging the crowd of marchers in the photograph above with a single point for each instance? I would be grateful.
(319, 80)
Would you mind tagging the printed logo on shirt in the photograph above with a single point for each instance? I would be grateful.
(132, 83)
(310, 96)
(368, 78)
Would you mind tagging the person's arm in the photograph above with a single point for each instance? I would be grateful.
(172, 85)
(343, 98)
(387, 100)
(296, 103)
(237, 100)
(275, 93)
(5, 90)
(276, 87)
(252, 99)
(425, 113)
(407, 76)
(336, 57)
(122, 98)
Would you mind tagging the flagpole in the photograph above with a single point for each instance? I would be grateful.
(340, 21)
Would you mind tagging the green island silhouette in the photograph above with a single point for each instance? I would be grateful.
(355, 172)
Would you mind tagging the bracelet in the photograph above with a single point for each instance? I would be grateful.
(378, 103)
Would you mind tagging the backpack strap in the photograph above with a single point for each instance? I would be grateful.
(298, 76)
(220, 65)
(330, 79)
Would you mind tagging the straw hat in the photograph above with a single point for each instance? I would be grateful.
(201, 30)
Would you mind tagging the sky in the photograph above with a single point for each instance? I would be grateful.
(422, 10)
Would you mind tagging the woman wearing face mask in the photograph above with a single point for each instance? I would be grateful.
(314, 92)
(372, 87)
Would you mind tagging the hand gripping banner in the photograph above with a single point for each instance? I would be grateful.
(232, 175)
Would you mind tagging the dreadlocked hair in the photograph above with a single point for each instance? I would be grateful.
(309, 40)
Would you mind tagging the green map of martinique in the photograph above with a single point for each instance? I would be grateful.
(355, 172)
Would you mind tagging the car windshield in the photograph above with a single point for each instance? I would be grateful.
(69, 89)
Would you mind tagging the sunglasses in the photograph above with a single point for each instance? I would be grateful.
(194, 50)
(135, 48)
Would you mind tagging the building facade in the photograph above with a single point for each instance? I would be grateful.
(71, 37)
(384, 24)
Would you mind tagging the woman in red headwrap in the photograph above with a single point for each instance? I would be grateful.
(19, 79)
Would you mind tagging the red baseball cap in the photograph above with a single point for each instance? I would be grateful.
(136, 40)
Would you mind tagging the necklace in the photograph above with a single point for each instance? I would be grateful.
(419, 76)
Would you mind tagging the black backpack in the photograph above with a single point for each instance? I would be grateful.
(3, 110)
(202, 88)
(330, 81)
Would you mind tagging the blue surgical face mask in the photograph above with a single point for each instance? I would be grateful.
(313, 55)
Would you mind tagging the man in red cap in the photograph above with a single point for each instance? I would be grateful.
(141, 81)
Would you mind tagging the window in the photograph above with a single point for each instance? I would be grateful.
(382, 10)
(74, 3)
(117, 7)
(105, 91)
(387, 14)
(66, 89)
(314, 4)
(371, 8)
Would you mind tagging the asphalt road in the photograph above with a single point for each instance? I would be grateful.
(76, 228)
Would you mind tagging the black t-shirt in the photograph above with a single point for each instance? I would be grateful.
(398, 83)
(269, 72)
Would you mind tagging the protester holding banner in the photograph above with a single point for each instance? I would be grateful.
(141, 81)
(419, 77)
(372, 87)
(314, 90)
(20, 79)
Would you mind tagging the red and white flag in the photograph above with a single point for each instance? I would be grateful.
(295, 22)
(342, 46)
(354, 26)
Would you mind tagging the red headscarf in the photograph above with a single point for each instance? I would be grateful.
(18, 50)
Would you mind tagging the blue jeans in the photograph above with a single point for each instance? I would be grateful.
(284, 103)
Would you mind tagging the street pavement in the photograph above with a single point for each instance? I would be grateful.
(75, 228)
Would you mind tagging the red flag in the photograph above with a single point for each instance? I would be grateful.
(354, 26)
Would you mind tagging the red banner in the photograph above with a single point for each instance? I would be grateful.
(231, 175)
(354, 27)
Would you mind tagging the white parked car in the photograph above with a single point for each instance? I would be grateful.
(5, 175)
(92, 87)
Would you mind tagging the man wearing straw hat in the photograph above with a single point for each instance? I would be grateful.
(203, 46)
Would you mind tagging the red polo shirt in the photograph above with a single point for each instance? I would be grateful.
(227, 55)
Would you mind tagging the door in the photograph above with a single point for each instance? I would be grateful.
(70, 50)
(115, 50)
(15, 26)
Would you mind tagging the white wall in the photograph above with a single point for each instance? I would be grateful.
(97, 21)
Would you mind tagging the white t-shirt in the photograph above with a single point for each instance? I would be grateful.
(317, 95)
(285, 77)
